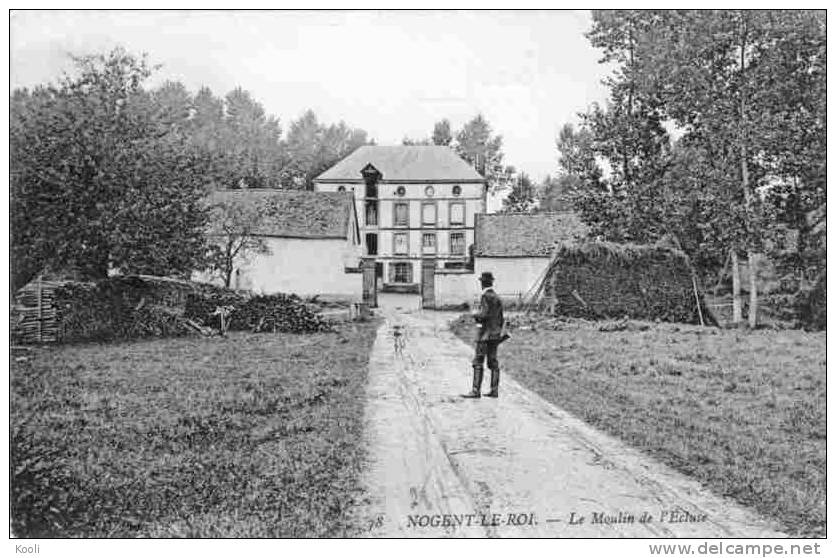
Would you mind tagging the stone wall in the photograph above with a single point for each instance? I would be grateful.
(455, 287)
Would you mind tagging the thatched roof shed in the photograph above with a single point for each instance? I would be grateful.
(597, 279)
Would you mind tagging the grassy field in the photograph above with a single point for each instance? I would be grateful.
(255, 435)
(742, 412)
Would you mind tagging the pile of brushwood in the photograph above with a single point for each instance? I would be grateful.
(116, 308)
(260, 313)
(129, 307)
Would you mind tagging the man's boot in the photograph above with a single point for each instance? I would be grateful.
(476, 392)
(494, 383)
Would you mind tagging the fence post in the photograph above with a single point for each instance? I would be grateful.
(40, 309)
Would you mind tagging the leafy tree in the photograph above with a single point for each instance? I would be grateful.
(523, 196)
(102, 175)
(442, 134)
(313, 147)
(410, 141)
(554, 194)
(476, 144)
(231, 229)
(745, 88)
(761, 80)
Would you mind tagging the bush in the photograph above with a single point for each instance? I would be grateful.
(116, 308)
(811, 305)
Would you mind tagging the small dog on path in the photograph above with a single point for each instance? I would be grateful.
(399, 334)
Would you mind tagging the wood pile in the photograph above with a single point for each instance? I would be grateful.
(34, 313)
(261, 313)
(129, 307)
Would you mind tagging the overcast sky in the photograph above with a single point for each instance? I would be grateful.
(392, 73)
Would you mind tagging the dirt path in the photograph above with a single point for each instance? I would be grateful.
(516, 466)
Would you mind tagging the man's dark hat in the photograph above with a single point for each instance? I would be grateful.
(486, 276)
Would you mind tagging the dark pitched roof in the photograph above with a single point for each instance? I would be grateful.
(403, 163)
(295, 213)
(524, 234)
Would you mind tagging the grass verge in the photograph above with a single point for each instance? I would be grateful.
(254, 435)
(742, 412)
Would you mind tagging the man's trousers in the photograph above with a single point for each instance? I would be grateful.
(486, 350)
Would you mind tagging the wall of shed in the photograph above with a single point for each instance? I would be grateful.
(303, 267)
(456, 288)
(513, 277)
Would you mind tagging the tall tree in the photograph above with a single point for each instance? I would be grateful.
(252, 141)
(523, 196)
(442, 133)
(744, 88)
(102, 176)
(752, 82)
(554, 194)
(312, 147)
(476, 144)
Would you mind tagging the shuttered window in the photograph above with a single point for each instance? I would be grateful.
(371, 213)
(428, 243)
(428, 213)
(401, 243)
(457, 243)
(457, 214)
(401, 215)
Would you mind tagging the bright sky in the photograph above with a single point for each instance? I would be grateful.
(392, 73)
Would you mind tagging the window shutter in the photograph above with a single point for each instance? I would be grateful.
(456, 214)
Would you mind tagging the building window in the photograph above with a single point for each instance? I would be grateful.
(371, 244)
(400, 191)
(457, 243)
(457, 213)
(371, 213)
(401, 241)
(428, 213)
(400, 272)
(371, 190)
(457, 190)
(340, 188)
(401, 215)
(428, 243)
(429, 191)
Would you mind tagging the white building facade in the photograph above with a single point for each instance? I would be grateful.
(413, 203)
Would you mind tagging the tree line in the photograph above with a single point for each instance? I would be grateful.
(477, 144)
(106, 173)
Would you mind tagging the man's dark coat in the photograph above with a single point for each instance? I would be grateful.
(489, 317)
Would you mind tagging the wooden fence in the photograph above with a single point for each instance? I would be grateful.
(34, 313)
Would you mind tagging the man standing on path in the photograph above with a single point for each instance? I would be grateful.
(488, 339)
